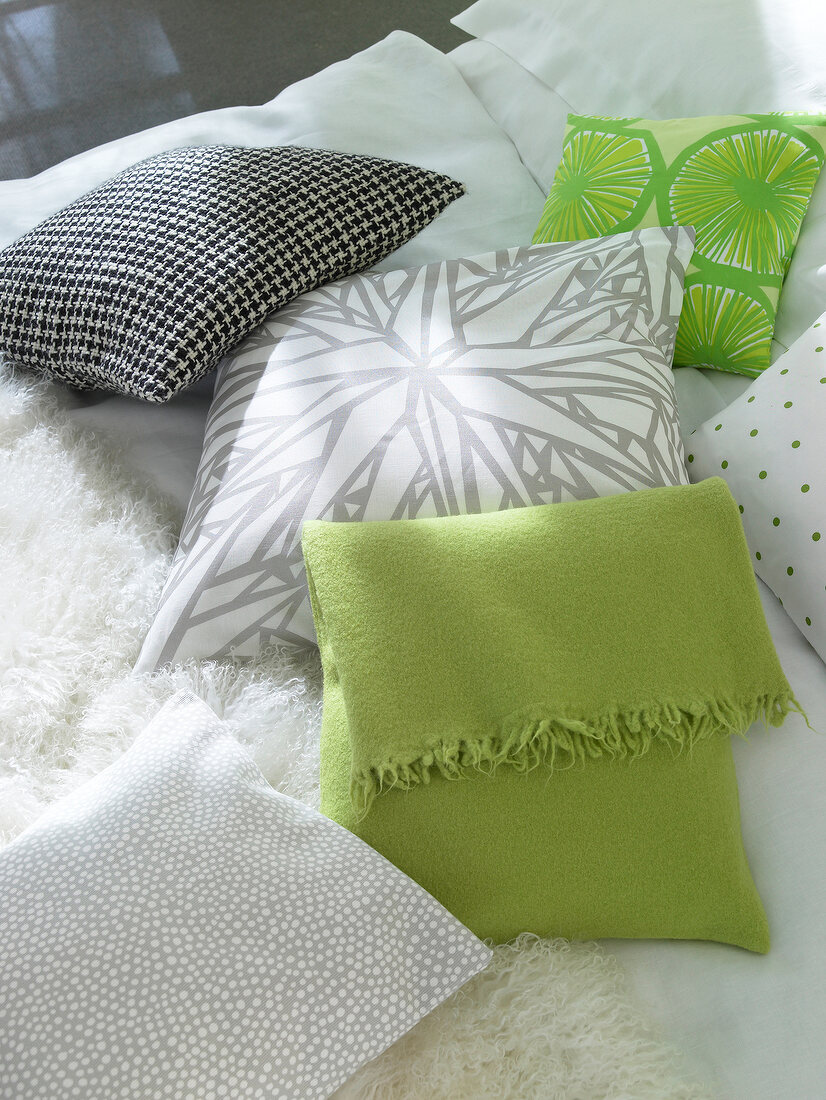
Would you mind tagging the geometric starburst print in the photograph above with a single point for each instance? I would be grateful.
(526, 376)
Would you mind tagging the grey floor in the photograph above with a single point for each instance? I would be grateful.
(75, 73)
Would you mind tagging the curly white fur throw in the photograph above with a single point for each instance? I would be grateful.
(83, 554)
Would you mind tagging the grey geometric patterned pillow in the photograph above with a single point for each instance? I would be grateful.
(176, 928)
(521, 377)
(143, 284)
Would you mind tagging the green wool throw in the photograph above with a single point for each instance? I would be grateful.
(555, 633)
(559, 643)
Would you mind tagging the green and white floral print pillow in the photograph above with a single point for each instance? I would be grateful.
(770, 447)
(742, 181)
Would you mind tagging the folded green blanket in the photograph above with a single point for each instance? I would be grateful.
(527, 711)
(553, 633)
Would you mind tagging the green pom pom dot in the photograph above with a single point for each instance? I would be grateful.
(808, 621)
(717, 427)
(776, 521)
(758, 555)
(815, 536)
(790, 570)
(724, 464)
(753, 432)
(742, 509)
(691, 458)
(795, 444)
(785, 370)
(787, 404)
(750, 399)
(819, 349)
(804, 488)
(762, 475)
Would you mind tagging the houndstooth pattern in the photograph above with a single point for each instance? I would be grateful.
(143, 284)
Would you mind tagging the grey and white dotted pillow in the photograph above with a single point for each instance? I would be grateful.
(178, 929)
(770, 446)
(519, 377)
(143, 284)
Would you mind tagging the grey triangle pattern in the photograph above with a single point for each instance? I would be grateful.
(527, 376)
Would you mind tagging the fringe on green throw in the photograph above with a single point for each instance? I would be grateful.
(529, 739)
(547, 635)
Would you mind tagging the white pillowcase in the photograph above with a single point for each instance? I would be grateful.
(512, 378)
(770, 445)
(533, 115)
(176, 928)
(663, 58)
(659, 59)
(400, 99)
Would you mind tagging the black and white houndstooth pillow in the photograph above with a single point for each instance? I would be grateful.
(143, 284)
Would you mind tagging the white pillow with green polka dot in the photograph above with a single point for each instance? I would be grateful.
(770, 446)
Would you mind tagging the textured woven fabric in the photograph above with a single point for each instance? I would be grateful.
(478, 665)
(143, 284)
(497, 381)
(176, 928)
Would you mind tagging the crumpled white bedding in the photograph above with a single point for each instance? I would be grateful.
(754, 1023)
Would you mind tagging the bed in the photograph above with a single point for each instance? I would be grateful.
(106, 487)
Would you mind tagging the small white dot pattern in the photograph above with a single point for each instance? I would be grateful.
(178, 929)
(143, 284)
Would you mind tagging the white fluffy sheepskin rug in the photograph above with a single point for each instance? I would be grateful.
(83, 554)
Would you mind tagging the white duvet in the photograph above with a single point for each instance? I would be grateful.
(754, 1024)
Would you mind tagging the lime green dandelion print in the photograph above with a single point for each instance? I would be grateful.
(598, 185)
(742, 182)
(718, 324)
(745, 195)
